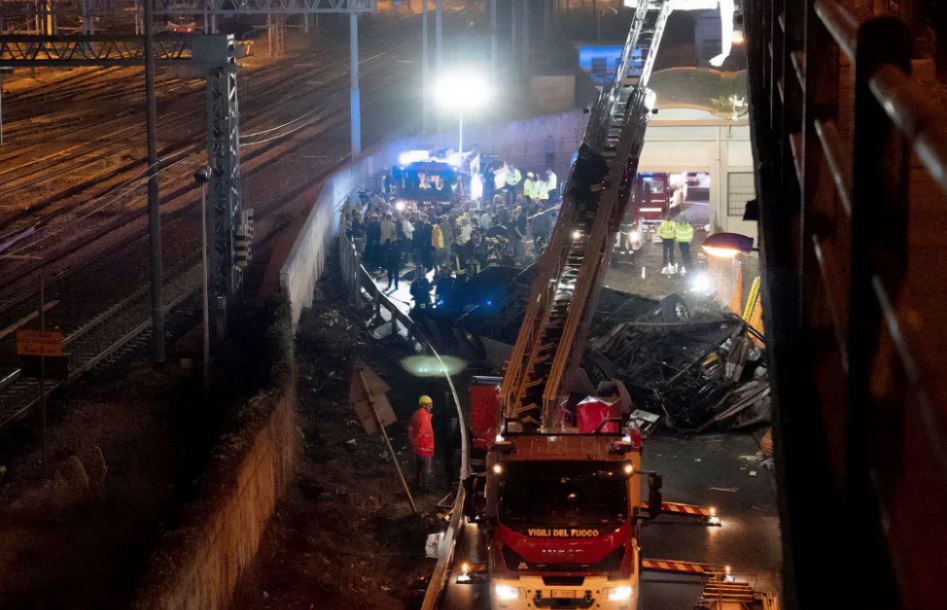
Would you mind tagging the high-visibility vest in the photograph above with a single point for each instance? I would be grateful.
(542, 190)
(684, 231)
(666, 229)
(513, 177)
(437, 237)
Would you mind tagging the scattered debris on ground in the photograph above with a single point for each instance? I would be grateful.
(345, 536)
(696, 372)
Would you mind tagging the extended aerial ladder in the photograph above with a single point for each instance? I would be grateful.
(537, 559)
(571, 270)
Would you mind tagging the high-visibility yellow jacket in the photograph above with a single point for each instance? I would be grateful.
(437, 237)
(684, 232)
(666, 229)
(529, 188)
(542, 190)
(513, 177)
(552, 182)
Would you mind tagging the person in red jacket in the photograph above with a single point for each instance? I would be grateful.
(421, 435)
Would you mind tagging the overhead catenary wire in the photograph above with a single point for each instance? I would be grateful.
(126, 188)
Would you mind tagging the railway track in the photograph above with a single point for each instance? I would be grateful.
(82, 219)
(112, 327)
(96, 340)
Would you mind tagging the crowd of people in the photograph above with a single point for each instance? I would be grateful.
(511, 227)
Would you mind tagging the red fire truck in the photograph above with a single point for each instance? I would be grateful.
(561, 511)
(563, 515)
(651, 198)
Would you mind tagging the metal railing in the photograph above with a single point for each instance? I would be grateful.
(852, 151)
(361, 290)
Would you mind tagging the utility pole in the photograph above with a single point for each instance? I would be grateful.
(438, 34)
(154, 201)
(355, 102)
(525, 39)
(202, 176)
(514, 25)
(547, 18)
(425, 62)
(493, 42)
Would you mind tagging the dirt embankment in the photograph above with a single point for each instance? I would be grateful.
(77, 532)
(345, 537)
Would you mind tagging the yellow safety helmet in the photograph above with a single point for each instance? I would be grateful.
(425, 400)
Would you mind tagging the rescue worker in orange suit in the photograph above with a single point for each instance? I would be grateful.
(421, 435)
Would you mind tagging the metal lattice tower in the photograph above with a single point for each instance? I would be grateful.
(214, 58)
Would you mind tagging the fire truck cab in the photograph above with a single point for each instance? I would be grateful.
(651, 198)
(562, 513)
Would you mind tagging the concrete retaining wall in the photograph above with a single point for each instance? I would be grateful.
(198, 564)
(306, 260)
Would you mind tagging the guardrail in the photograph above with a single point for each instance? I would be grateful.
(853, 151)
(362, 290)
(306, 262)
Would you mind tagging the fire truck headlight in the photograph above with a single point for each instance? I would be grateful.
(618, 594)
(507, 593)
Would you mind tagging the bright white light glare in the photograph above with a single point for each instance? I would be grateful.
(462, 90)
(412, 156)
(476, 188)
(429, 366)
(726, 9)
(399, 205)
(619, 594)
(498, 469)
(702, 283)
(629, 468)
(508, 593)
(465, 567)
(499, 438)
(737, 37)
(650, 99)
(634, 235)
(576, 234)
(454, 159)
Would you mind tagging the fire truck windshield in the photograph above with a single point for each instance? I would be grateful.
(563, 493)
